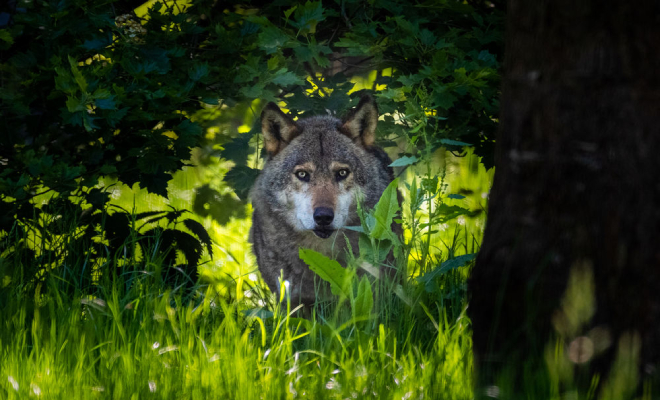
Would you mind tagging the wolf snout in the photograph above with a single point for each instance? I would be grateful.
(323, 216)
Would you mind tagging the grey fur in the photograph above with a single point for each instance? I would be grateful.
(318, 141)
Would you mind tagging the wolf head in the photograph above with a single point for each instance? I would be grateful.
(319, 166)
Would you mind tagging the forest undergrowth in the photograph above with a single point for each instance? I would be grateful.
(128, 334)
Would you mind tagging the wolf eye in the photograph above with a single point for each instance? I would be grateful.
(342, 174)
(302, 175)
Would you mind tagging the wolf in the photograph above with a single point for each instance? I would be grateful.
(305, 195)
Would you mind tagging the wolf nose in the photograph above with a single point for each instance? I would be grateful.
(323, 216)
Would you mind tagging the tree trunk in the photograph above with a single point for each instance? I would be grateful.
(576, 198)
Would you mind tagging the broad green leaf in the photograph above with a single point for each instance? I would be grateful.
(249, 28)
(409, 80)
(456, 196)
(308, 16)
(287, 78)
(429, 278)
(385, 210)
(355, 228)
(450, 142)
(187, 127)
(198, 71)
(374, 253)
(447, 213)
(24, 60)
(364, 301)
(114, 117)
(290, 11)
(77, 75)
(5, 36)
(271, 39)
(403, 161)
(106, 104)
(74, 104)
(241, 178)
(107, 169)
(221, 207)
(98, 42)
(238, 149)
(444, 100)
(427, 37)
(211, 100)
(88, 122)
(252, 91)
(329, 270)
(156, 182)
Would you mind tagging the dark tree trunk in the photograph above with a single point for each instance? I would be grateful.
(576, 194)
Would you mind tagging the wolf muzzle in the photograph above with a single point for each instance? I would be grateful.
(323, 216)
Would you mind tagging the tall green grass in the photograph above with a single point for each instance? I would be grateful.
(79, 332)
(133, 339)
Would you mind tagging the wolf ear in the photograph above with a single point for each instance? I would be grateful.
(360, 123)
(278, 129)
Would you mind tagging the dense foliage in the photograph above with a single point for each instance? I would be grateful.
(89, 90)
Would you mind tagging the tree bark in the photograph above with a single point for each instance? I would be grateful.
(576, 195)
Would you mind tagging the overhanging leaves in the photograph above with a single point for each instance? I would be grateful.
(241, 179)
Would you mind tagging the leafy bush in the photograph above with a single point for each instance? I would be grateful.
(89, 90)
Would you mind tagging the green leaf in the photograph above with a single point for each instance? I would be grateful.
(156, 182)
(108, 169)
(88, 122)
(77, 75)
(98, 42)
(5, 36)
(410, 80)
(429, 278)
(201, 233)
(241, 178)
(115, 117)
(403, 161)
(271, 39)
(252, 92)
(189, 128)
(374, 253)
(450, 142)
(238, 149)
(24, 60)
(74, 104)
(385, 210)
(158, 58)
(444, 100)
(211, 100)
(487, 58)
(208, 202)
(249, 28)
(308, 16)
(290, 11)
(329, 270)
(427, 37)
(447, 213)
(105, 101)
(287, 78)
(39, 165)
(364, 301)
(198, 71)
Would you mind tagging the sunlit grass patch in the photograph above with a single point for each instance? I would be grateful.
(129, 335)
(151, 345)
